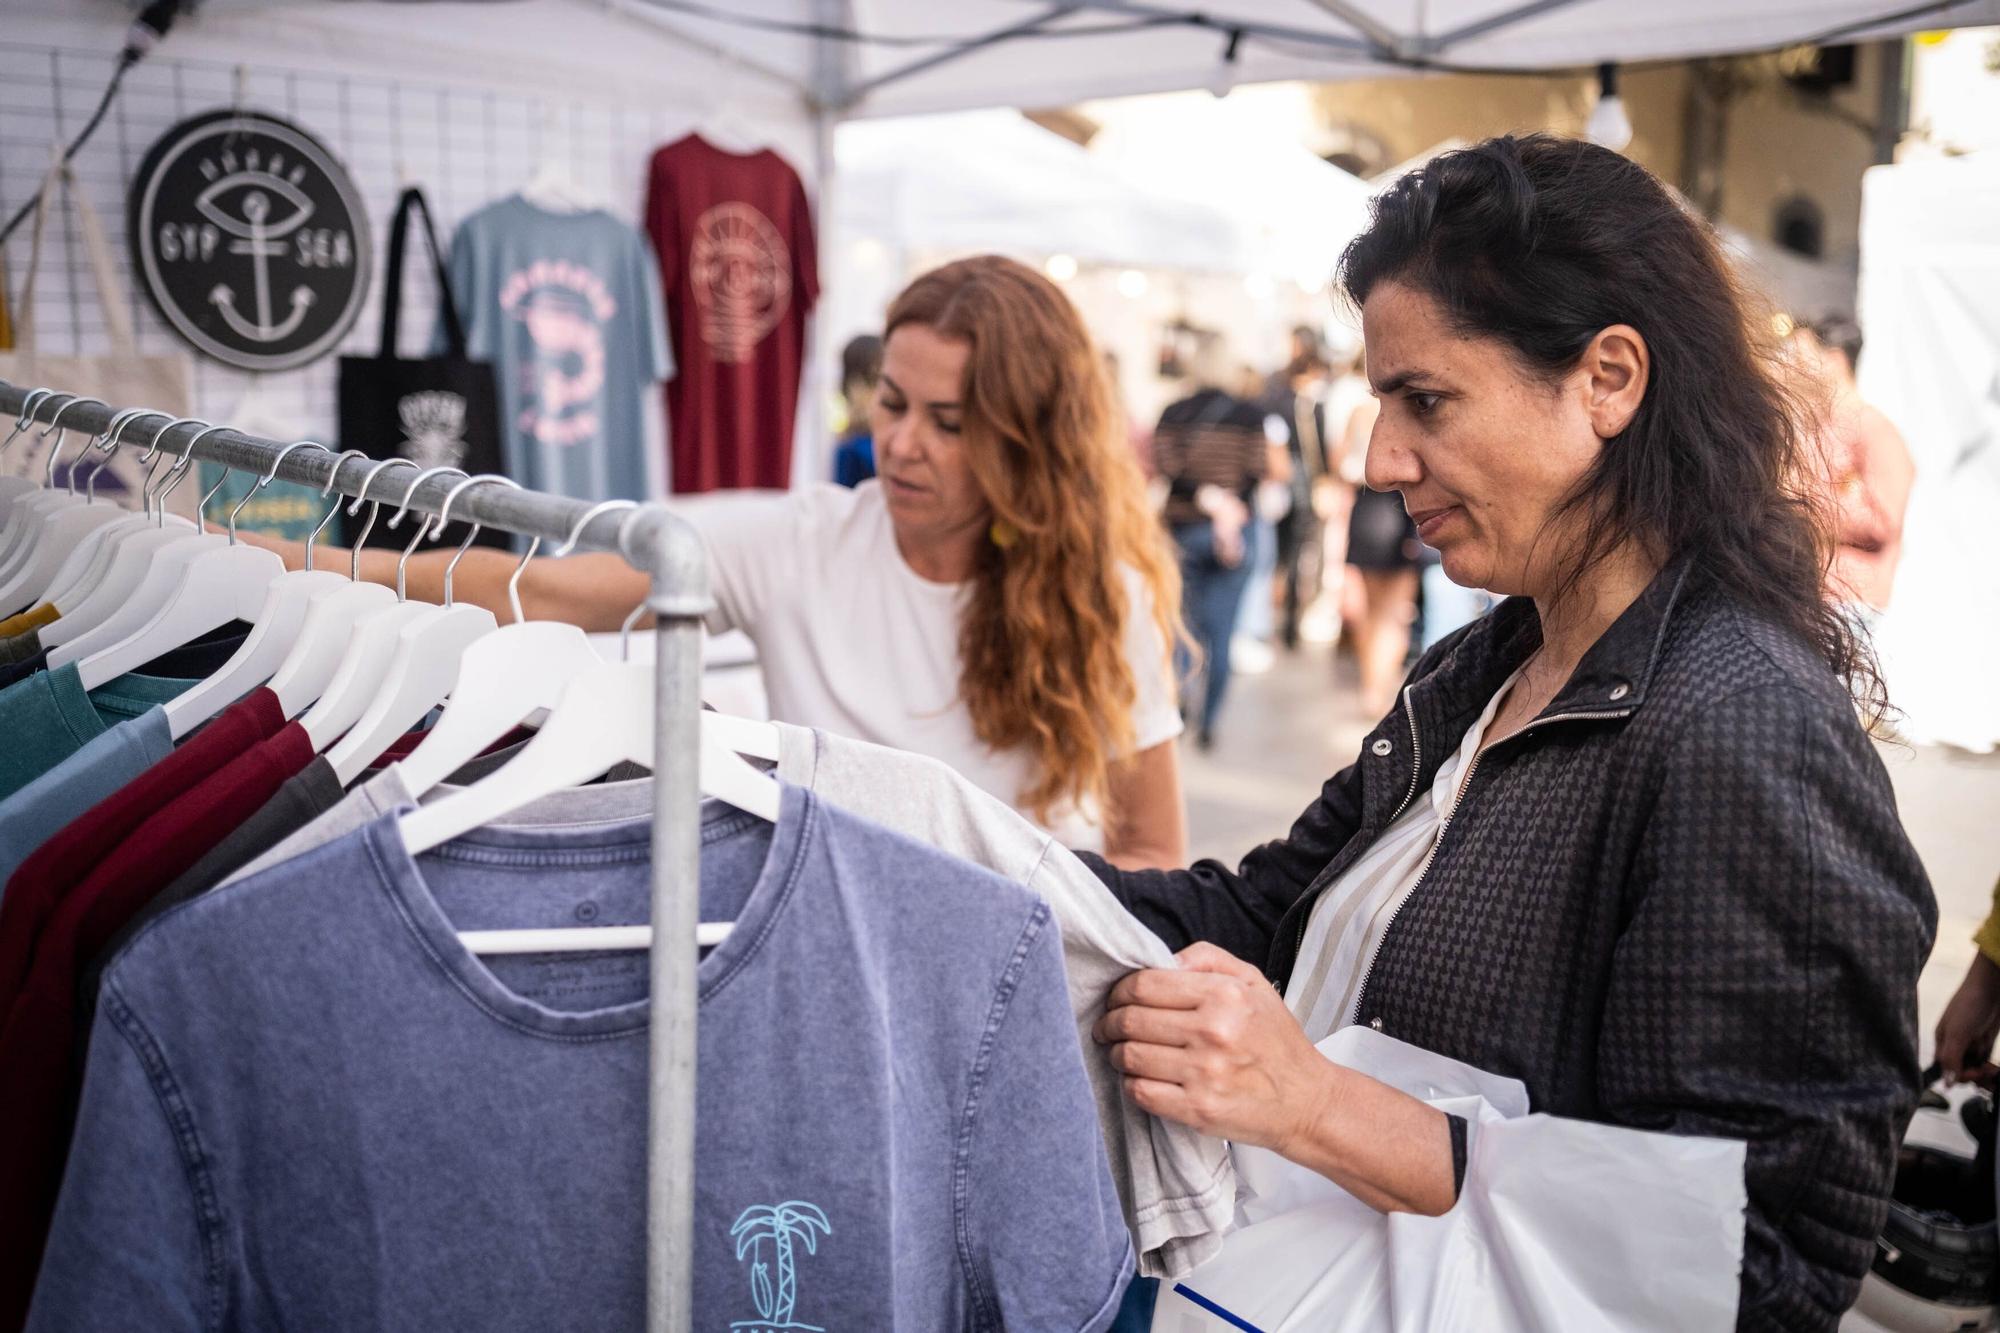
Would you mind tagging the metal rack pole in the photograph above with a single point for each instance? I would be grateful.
(667, 550)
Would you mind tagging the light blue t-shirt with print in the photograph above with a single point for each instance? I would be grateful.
(305, 1098)
(568, 308)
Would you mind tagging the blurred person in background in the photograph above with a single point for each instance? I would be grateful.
(1210, 449)
(1969, 1024)
(1867, 473)
(1382, 550)
(860, 369)
(1333, 493)
(1294, 396)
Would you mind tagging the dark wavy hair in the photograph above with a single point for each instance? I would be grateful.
(1541, 243)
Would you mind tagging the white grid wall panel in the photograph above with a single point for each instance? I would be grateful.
(465, 146)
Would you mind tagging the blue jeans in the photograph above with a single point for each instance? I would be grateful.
(1211, 599)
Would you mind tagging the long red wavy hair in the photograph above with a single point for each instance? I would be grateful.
(1042, 641)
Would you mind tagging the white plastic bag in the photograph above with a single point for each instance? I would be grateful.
(1562, 1224)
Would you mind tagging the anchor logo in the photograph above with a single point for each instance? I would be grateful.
(251, 239)
(258, 234)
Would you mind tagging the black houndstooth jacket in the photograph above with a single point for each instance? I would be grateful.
(1680, 899)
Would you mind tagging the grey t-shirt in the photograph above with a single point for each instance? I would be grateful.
(567, 307)
(306, 1100)
(1178, 1185)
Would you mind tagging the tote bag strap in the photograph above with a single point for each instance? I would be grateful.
(412, 200)
(110, 291)
(24, 322)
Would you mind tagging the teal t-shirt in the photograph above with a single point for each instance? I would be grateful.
(48, 717)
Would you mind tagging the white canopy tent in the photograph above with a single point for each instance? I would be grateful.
(992, 180)
(898, 57)
(843, 59)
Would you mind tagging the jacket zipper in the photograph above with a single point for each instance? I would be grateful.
(1443, 827)
(1416, 771)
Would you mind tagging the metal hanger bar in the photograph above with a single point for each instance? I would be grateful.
(668, 551)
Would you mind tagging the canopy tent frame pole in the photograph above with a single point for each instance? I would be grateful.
(668, 551)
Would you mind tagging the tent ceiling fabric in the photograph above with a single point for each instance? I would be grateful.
(925, 57)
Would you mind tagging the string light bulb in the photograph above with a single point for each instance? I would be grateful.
(1608, 125)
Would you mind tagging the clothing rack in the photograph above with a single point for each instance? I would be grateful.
(667, 550)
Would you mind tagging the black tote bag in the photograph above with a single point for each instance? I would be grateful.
(437, 411)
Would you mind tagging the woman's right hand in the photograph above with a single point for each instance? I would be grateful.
(1966, 1032)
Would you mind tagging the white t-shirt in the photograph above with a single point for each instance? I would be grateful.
(1348, 923)
(854, 642)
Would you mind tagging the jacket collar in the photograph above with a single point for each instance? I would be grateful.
(1611, 680)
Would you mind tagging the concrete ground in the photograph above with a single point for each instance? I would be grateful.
(1286, 731)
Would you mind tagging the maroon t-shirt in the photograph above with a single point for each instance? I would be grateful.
(39, 1063)
(40, 883)
(740, 264)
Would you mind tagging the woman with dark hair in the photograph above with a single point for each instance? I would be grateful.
(1624, 838)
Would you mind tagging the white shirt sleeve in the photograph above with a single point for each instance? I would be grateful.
(1156, 713)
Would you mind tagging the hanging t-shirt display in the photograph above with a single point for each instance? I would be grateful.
(894, 1128)
(567, 307)
(735, 238)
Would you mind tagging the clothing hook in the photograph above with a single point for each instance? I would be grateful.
(396, 519)
(625, 630)
(28, 405)
(327, 490)
(49, 469)
(402, 566)
(444, 517)
(268, 478)
(375, 508)
(201, 510)
(148, 497)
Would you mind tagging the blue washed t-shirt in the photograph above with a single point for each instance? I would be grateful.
(307, 1104)
(567, 307)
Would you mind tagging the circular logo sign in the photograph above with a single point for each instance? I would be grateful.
(251, 239)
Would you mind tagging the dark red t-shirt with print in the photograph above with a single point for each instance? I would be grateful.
(738, 257)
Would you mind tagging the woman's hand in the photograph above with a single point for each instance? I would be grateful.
(1966, 1031)
(1212, 1045)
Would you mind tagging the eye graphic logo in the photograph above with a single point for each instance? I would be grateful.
(251, 239)
(785, 1227)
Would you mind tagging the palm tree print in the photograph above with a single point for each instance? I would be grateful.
(781, 1224)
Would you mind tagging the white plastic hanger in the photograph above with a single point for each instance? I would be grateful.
(275, 628)
(364, 665)
(46, 500)
(62, 527)
(425, 665)
(217, 586)
(727, 128)
(87, 563)
(13, 488)
(31, 497)
(142, 566)
(604, 718)
(506, 677)
(553, 186)
(329, 627)
(160, 576)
